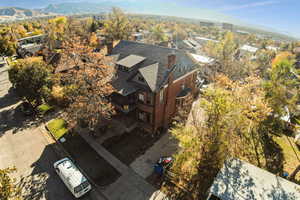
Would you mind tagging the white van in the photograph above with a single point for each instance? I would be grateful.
(75, 181)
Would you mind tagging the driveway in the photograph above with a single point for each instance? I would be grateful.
(28, 149)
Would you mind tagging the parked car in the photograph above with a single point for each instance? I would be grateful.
(27, 109)
(72, 177)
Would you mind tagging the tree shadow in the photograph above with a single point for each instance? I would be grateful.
(43, 182)
(272, 151)
(13, 119)
(9, 99)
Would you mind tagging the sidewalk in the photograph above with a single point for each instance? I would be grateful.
(129, 186)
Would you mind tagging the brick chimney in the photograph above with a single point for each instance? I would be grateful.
(109, 46)
(171, 60)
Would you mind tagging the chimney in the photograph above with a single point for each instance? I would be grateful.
(171, 60)
(109, 46)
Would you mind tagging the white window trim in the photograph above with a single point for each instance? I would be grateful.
(161, 95)
(141, 97)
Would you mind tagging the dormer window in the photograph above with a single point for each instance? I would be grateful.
(128, 63)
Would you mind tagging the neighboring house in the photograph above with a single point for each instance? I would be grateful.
(207, 24)
(203, 40)
(152, 82)
(29, 46)
(227, 26)
(239, 180)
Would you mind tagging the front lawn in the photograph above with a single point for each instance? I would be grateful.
(129, 146)
(290, 152)
(98, 169)
(57, 127)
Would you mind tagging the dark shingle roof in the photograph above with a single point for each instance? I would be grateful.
(150, 75)
(154, 67)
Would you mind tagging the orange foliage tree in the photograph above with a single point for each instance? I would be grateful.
(89, 85)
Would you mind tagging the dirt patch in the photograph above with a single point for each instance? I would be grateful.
(129, 146)
(100, 171)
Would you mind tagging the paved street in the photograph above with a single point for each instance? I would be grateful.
(28, 149)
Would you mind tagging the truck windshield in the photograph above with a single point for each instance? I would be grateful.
(81, 187)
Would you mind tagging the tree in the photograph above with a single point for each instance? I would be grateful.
(263, 61)
(56, 30)
(224, 123)
(117, 26)
(158, 34)
(32, 78)
(8, 42)
(89, 103)
(228, 58)
(8, 189)
(282, 86)
(179, 33)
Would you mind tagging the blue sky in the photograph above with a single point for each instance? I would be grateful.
(281, 15)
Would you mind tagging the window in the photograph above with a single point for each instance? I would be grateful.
(141, 97)
(149, 98)
(183, 86)
(161, 95)
(142, 116)
(145, 117)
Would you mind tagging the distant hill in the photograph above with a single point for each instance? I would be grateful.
(18, 12)
(78, 8)
(141, 7)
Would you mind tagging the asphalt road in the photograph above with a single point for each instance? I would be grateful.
(27, 148)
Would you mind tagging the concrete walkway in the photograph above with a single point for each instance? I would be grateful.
(130, 186)
(165, 146)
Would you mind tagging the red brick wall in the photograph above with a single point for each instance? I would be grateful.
(164, 112)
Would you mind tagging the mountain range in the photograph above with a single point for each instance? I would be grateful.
(70, 7)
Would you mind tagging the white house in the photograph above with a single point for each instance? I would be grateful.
(239, 180)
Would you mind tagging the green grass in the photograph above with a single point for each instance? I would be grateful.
(44, 108)
(291, 160)
(57, 127)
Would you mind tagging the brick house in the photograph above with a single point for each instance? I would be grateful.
(152, 82)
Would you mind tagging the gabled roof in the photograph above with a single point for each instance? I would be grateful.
(239, 180)
(150, 75)
(249, 48)
(131, 61)
(156, 58)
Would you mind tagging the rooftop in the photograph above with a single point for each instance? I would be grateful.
(249, 48)
(239, 180)
(131, 61)
(153, 62)
(202, 59)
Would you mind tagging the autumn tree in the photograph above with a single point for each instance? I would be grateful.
(56, 31)
(179, 33)
(89, 104)
(282, 85)
(117, 26)
(8, 42)
(32, 78)
(263, 61)
(223, 123)
(229, 60)
(8, 188)
(157, 33)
